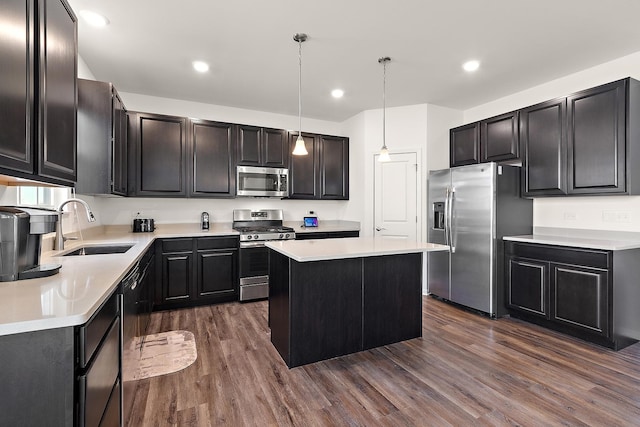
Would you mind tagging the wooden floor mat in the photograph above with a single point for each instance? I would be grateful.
(162, 354)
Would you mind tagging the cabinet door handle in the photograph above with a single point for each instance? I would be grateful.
(380, 228)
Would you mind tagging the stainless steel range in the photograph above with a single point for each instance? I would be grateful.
(256, 227)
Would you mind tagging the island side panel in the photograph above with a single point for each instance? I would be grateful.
(37, 377)
(392, 299)
(326, 309)
(279, 303)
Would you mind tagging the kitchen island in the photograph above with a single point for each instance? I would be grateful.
(333, 297)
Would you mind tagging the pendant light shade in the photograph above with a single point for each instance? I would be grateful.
(384, 151)
(300, 149)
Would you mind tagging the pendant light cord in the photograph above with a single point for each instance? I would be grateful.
(300, 87)
(384, 103)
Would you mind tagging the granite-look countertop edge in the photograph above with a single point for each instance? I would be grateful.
(576, 242)
(357, 247)
(72, 296)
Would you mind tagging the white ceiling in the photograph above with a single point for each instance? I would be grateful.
(150, 44)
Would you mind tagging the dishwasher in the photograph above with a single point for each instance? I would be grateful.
(131, 348)
(137, 291)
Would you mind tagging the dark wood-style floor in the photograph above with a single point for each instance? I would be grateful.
(465, 370)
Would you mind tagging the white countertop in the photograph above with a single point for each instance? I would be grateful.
(356, 247)
(71, 297)
(576, 242)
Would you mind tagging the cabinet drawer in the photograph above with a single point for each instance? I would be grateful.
(177, 245)
(91, 333)
(217, 243)
(111, 417)
(560, 254)
(96, 385)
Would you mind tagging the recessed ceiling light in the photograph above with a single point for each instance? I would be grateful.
(200, 66)
(471, 66)
(337, 93)
(94, 19)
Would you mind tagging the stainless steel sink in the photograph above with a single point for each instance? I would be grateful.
(100, 250)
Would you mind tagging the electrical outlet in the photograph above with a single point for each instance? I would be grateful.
(623, 216)
(569, 216)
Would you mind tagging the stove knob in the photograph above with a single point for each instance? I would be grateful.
(249, 237)
(286, 236)
(255, 236)
(280, 236)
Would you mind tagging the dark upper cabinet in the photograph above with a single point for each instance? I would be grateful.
(464, 145)
(499, 139)
(262, 146)
(324, 172)
(334, 167)
(597, 139)
(213, 171)
(120, 144)
(17, 88)
(38, 92)
(158, 150)
(543, 143)
(303, 170)
(102, 133)
(57, 96)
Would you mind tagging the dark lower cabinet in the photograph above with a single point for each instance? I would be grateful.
(196, 271)
(323, 309)
(579, 291)
(64, 376)
(527, 286)
(392, 301)
(581, 298)
(38, 91)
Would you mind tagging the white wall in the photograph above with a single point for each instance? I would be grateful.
(600, 213)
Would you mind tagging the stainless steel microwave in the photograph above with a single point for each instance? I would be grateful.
(262, 182)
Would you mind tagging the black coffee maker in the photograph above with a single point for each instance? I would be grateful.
(21, 231)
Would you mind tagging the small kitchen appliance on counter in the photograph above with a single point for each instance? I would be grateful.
(143, 225)
(257, 227)
(205, 220)
(21, 231)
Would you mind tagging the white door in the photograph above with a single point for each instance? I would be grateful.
(396, 198)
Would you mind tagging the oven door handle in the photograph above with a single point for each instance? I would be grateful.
(251, 244)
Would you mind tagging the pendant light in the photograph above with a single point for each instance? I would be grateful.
(300, 149)
(384, 152)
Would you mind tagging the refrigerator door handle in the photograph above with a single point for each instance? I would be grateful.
(452, 193)
(446, 216)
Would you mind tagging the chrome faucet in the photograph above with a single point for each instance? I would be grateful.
(60, 238)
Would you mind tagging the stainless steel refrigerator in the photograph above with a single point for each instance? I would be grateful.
(470, 209)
